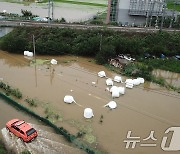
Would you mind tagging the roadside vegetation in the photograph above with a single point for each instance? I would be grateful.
(10, 91)
(168, 64)
(102, 45)
(3, 150)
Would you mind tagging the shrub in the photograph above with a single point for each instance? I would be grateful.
(31, 102)
(26, 13)
(138, 70)
(9, 90)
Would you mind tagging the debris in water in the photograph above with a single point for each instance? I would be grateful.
(93, 83)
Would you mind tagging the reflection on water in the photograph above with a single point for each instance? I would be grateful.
(171, 77)
(138, 110)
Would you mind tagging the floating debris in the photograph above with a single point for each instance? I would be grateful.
(93, 83)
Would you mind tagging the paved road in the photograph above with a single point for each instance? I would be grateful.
(13, 23)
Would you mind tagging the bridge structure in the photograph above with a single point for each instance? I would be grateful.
(27, 23)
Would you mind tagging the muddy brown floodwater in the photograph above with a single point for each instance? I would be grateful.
(141, 110)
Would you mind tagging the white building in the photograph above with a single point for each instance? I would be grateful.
(129, 12)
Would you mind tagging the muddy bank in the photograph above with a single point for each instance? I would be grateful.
(142, 109)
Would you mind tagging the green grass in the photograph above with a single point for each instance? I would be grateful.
(80, 3)
(170, 5)
(164, 64)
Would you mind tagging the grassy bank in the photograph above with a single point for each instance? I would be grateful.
(165, 64)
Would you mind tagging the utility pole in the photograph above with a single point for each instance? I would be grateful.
(163, 13)
(52, 9)
(34, 49)
(147, 15)
(156, 24)
(152, 9)
(172, 17)
(100, 45)
(49, 10)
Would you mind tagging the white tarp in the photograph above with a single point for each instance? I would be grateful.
(88, 113)
(69, 99)
(27, 53)
(121, 90)
(113, 88)
(30, 54)
(129, 83)
(118, 79)
(53, 61)
(111, 104)
(109, 82)
(141, 80)
(115, 91)
(102, 74)
(136, 82)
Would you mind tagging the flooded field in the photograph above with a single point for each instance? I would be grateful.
(141, 110)
(71, 12)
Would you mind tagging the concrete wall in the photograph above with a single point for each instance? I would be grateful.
(124, 17)
(124, 4)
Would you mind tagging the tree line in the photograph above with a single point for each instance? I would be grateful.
(101, 44)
